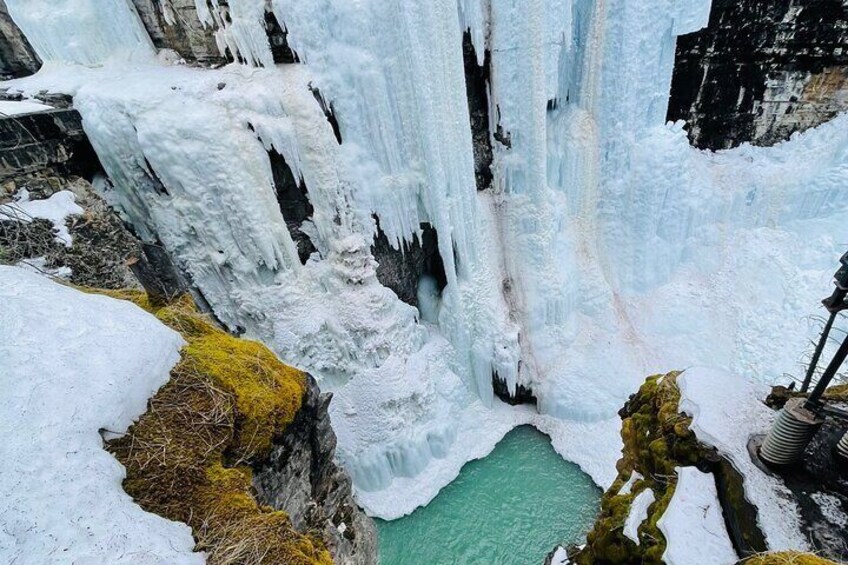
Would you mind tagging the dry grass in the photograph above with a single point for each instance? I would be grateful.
(188, 457)
(787, 558)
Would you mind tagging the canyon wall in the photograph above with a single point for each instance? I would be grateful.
(761, 71)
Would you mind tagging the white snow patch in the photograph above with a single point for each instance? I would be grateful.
(20, 107)
(72, 364)
(55, 209)
(693, 525)
(628, 486)
(638, 514)
(560, 557)
(726, 411)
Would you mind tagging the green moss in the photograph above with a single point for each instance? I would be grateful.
(657, 439)
(185, 458)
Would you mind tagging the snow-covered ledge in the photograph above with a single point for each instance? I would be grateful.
(72, 364)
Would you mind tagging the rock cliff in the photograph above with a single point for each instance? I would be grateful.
(761, 71)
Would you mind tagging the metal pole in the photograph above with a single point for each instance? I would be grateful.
(817, 355)
(813, 403)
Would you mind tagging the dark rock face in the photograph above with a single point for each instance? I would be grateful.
(477, 90)
(761, 71)
(521, 395)
(46, 140)
(302, 479)
(401, 270)
(183, 32)
(17, 58)
(293, 197)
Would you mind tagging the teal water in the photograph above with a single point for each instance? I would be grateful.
(510, 508)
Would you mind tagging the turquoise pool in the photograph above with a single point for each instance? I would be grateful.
(510, 508)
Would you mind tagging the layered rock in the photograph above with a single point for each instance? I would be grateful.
(302, 478)
(761, 71)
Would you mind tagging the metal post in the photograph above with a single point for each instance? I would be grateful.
(814, 402)
(817, 355)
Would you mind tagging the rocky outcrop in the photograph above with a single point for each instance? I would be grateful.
(761, 71)
(302, 479)
(51, 140)
(174, 24)
(17, 58)
(657, 440)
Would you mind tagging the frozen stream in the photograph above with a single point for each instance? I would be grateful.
(513, 506)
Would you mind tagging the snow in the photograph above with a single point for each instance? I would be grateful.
(693, 525)
(607, 249)
(20, 107)
(726, 421)
(638, 514)
(627, 487)
(72, 364)
(56, 209)
(831, 508)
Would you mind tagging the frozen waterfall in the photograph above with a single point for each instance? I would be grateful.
(604, 248)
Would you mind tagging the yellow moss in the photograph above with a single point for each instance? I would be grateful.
(226, 401)
(838, 393)
(657, 439)
(787, 558)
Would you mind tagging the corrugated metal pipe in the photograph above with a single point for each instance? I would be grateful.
(842, 448)
(791, 434)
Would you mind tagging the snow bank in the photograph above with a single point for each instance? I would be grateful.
(57, 208)
(72, 364)
(726, 421)
(20, 107)
(693, 525)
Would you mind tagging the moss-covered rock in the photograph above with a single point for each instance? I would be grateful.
(188, 457)
(657, 439)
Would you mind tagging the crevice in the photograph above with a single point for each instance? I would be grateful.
(329, 112)
(278, 37)
(740, 516)
(477, 90)
(293, 198)
(405, 270)
(155, 182)
(521, 395)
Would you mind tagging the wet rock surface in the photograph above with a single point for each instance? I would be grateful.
(761, 71)
(302, 478)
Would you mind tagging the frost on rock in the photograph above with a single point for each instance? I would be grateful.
(72, 364)
(605, 249)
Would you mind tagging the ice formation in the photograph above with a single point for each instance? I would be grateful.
(605, 248)
(71, 365)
